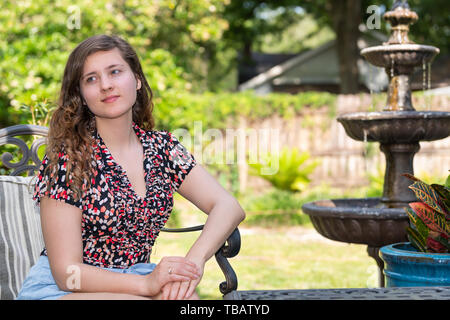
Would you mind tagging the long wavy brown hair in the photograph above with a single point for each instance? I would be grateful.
(72, 124)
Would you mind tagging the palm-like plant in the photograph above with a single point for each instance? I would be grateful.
(294, 168)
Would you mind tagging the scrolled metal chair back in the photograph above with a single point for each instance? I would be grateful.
(10, 135)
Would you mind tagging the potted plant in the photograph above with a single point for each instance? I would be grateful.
(425, 260)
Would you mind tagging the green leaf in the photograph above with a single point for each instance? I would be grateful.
(410, 176)
(426, 194)
(417, 224)
(433, 219)
(441, 238)
(416, 240)
(444, 193)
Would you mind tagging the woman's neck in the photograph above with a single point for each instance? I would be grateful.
(118, 134)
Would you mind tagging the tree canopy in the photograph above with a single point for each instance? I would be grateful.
(188, 46)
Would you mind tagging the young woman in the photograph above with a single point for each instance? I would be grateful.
(106, 184)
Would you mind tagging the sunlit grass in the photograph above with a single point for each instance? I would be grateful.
(280, 259)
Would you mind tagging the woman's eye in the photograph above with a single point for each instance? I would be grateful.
(94, 78)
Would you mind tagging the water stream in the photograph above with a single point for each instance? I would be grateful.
(371, 85)
(426, 83)
(392, 68)
(429, 87)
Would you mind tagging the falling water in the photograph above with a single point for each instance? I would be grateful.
(392, 68)
(371, 84)
(366, 157)
(429, 86)
(426, 83)
(424, 75)
(365, 154)
(429, 76)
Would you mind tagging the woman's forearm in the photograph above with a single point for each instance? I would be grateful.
(222, 219)
(81, 277)
(221, 222)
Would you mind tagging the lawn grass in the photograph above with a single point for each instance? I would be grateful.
(280, 258)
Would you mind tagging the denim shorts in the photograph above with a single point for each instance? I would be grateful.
(40, 285)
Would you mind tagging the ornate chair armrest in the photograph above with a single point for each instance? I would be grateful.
(228, 250)
(188, 229)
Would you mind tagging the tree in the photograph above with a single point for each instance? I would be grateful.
(344, 16)
(38, 35)
(249, 20)
(433, 27)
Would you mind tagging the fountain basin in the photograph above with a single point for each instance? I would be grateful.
(396, 126)
(406, 55)
(363, 221)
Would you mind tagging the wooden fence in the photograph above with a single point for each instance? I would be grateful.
(343, 162)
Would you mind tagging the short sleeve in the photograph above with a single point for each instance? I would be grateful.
(180, 161)
(59, 190)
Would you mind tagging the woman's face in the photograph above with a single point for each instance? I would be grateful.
(108, 85)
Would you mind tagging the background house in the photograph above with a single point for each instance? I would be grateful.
(318, 69)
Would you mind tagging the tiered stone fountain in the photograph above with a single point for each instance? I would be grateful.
(399, 128)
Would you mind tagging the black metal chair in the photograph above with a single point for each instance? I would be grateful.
(11, 135)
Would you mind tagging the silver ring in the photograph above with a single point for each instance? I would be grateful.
(170, 270)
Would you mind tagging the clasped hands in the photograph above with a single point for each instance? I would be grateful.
(174, 278)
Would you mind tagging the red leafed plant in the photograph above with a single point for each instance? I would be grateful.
(429, 228)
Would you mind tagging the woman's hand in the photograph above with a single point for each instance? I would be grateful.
(168, 270)
(182, 289)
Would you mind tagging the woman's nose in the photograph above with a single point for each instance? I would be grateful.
(105, 84)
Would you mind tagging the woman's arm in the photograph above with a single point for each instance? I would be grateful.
(61, 227)
(224, 215)
(223, 210)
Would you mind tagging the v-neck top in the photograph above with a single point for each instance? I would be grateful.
(119, 227)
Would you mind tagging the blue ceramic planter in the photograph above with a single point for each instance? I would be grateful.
(407, 267)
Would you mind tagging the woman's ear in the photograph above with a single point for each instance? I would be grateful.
(138, 83)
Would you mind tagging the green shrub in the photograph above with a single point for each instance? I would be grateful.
(179, 109)
(294, 168)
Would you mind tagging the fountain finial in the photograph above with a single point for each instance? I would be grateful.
(400, 17)
(400, 3)
(399, 56)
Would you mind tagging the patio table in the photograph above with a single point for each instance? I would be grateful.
(393, 293)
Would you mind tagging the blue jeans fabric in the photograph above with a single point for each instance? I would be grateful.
(40, 284)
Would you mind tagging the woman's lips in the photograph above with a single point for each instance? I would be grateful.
(110, 99)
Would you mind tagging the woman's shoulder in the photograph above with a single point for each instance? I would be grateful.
(152, 135)
(160, 137)
(61, 158)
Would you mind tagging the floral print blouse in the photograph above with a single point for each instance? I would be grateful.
(119, 227)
